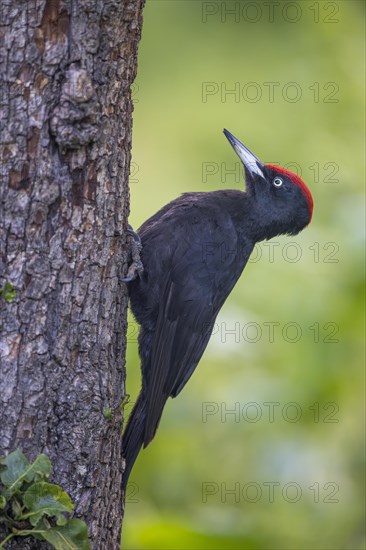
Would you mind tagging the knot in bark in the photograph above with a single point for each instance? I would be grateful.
(73, 121)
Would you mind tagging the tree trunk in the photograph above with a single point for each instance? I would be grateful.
(65, 116)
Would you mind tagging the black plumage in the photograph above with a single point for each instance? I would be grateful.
(193, 252)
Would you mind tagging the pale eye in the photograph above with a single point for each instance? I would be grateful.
(277, 182)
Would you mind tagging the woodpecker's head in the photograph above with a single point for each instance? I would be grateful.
(282, 201)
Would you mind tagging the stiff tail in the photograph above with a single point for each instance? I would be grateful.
(133, 437)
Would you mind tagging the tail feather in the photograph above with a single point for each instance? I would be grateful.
(133, 437)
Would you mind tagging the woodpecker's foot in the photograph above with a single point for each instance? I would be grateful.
(136, 268)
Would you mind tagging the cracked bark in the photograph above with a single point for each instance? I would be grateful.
(65, 113)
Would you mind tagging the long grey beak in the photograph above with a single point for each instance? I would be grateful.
(250, 161)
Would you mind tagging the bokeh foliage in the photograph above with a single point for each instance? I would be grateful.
(177, 130)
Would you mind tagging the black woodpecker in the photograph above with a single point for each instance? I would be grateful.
(193, 251)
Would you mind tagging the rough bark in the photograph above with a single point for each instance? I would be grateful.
(66, 70)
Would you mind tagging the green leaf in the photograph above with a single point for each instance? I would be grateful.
(15, 466)
(107, 413)
(71, 536)
(46, 499)
(40, 468)
(39, 499)
(18, 469)
(62, 520)
(2, 502)
(16, 507)
(8, 292)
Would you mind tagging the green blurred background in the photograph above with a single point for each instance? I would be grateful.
(286, 469)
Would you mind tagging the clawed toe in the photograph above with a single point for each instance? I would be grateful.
(136, 268)
(134, 234)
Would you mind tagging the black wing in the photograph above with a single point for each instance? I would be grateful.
(199, 279)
